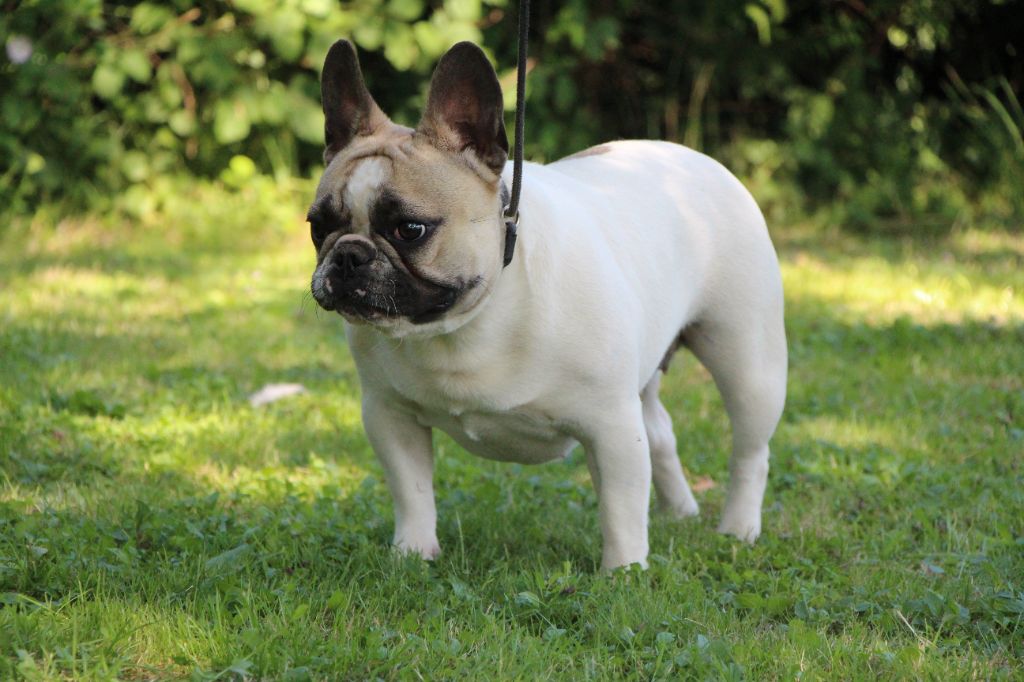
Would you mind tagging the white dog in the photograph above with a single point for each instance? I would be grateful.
(626, 251)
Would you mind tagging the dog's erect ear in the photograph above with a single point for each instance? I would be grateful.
(464, 107)
(348, 108)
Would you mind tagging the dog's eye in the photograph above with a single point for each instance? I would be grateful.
(409, 231)
(318, 231)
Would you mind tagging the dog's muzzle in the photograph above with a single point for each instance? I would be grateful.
(356, 279)
(347, 266)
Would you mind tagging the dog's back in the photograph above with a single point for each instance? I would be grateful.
(664, 221)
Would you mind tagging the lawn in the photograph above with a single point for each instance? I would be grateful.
(155, 525)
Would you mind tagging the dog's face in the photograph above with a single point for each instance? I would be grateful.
(407, 223)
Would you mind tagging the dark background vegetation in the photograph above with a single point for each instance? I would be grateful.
(886, 115)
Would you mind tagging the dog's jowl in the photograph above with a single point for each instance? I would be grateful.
(626, 252)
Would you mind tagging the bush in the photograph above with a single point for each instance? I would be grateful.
(898, 114)
(850, 104)
(100, 96)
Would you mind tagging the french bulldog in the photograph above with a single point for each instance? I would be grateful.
(626, 252)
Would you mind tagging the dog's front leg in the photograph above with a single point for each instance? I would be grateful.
(620, 465)
(405, 451)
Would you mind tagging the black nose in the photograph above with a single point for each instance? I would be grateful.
(351, 253)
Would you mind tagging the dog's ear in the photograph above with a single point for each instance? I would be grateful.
(465, 108)
(349, 110)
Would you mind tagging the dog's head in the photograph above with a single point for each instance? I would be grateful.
(407, 223)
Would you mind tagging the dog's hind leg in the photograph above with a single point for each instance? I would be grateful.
(746, 355)
(674, 495)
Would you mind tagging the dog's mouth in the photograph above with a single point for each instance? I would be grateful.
(398, 296)
(358, 303)
(366, 306)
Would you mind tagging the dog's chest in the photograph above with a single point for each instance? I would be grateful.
(512, 436)
(479, 411)
(479, 394)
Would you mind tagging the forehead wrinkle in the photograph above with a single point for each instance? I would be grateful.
(400, 149)
(396, 142)
(392, 141)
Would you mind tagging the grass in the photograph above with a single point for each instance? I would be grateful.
(154, 525)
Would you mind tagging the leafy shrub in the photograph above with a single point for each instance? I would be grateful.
(99, 96)
(850, 104)
(896, 113)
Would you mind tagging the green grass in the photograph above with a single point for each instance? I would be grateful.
(154, 525)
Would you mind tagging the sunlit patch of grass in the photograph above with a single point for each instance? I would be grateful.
(971, 276)
(975, 245)
(306, 479)
(856, 431)
(877, 290)
(153, 524)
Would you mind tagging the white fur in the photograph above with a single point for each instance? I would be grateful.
(618, 252)
(364, 186)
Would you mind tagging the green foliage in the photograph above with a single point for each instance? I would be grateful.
(154, 525)
(892, 115)
(853, 99)
(115, 94)
(995, 116)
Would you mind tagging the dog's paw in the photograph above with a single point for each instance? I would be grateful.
(746, 529)
(615, 569)
(428, 551)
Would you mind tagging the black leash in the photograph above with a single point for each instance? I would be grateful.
(512, 210)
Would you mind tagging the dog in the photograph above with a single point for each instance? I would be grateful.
(626, 252)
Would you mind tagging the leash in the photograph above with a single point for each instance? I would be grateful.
(511, 212)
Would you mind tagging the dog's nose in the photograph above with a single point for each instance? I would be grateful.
(352, 252)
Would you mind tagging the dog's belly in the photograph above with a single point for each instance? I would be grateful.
(507, 437)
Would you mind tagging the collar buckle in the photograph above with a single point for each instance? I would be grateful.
(511, 230)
